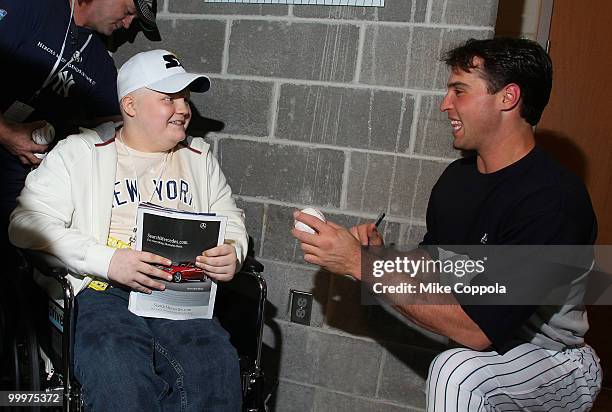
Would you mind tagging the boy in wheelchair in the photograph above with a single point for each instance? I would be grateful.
(80, 206)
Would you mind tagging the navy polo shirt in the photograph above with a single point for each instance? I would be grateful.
(31, 36)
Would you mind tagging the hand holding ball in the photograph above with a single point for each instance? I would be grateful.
(304, 227)
(43, 136)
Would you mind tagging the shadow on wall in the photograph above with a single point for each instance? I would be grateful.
(200, 125)
(122, 36)
(344, 312)
(270, 355)
(509, 17)
(401, 338)
(564, 150)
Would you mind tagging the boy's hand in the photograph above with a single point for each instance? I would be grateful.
(136, 270)
(219, 263)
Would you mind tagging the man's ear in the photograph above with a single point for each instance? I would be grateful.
(510, 96)
(128, 105)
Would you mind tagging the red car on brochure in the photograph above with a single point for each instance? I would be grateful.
(184, 272)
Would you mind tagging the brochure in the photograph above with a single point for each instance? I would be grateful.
(179, 236)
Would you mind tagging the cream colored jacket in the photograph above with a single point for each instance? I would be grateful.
(65, 206)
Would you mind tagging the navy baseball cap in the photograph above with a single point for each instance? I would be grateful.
(147, 11)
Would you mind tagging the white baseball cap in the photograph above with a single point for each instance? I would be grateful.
(158, 70)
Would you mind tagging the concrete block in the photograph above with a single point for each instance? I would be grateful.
(368, 119)
(200, 7)
(289, 173)
(335, 12)
(398, 184)
(394, 10)
(254, 221)
(411, 235)
(420, 175)
(325, 401)
(414, 53)
(293, 50)
(327, 360)
(385, 48)
(293, 397)
(278, 242)
(404, 374)
(197, 43)
(299, 353)
(346, 364)
(242, 106)
(403, 11)
(468, 13)
(370, 180)
(434, 133)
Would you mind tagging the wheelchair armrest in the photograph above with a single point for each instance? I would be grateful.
(45, 263)
(250, 264)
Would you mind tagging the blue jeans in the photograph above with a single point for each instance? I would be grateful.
(126, 362)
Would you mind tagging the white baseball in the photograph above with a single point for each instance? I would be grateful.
(304, 227)
(44, 135)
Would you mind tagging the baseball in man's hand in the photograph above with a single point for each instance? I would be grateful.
(44, 135)
(304, 227)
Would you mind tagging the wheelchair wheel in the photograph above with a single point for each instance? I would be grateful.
(22, 364)
(24, 361)
(5, 338)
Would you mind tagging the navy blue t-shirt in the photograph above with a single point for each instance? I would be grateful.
(31, 37)
(534, 201)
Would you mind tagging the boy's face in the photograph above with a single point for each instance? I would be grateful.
(163, 117)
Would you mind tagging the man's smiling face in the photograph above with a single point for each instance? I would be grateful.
(470, 107)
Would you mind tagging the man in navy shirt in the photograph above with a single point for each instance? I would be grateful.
(55, 69)
(517, 352)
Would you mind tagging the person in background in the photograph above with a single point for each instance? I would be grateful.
(56, 70)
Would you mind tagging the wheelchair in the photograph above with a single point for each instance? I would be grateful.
(239, 306)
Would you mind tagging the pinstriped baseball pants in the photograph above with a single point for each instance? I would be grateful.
(526, 378)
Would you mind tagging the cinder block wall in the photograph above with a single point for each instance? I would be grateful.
(336, 108)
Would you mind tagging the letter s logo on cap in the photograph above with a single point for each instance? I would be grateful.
(171, 61)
